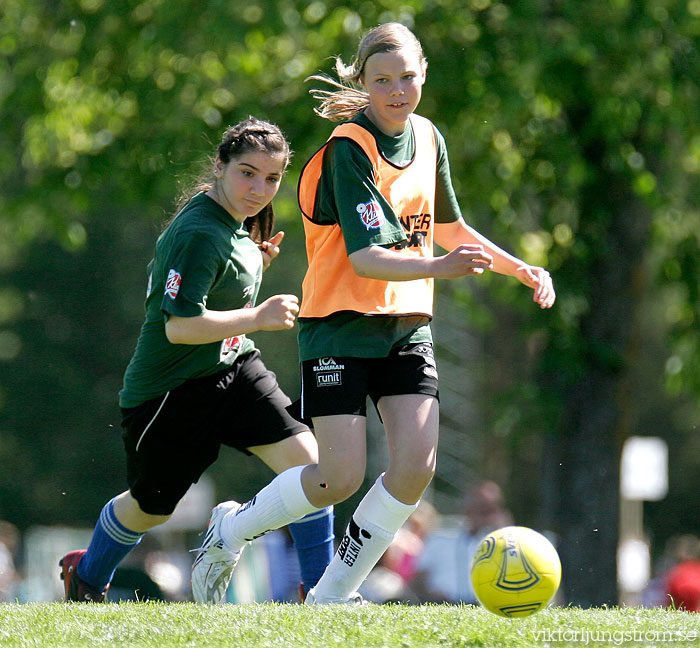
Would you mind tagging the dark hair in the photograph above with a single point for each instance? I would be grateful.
(249, 135)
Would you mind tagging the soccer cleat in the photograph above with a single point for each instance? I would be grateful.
(214, 564)
(355, 598)
(76, 589)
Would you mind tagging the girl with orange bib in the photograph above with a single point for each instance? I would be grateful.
(375, 199)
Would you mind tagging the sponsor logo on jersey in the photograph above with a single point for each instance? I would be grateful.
(172, 285)
(328, 372)
(230, 346)
(371, 214)
(417, 227)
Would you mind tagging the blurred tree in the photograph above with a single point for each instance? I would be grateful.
(573, 138)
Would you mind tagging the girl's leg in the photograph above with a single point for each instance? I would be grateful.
(301, 490)
(342, 458)
(294, 493)
(411, 423)
(312, 534)
(298, 450)
(119, 529)
(129, 514)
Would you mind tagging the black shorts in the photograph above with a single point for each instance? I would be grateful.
(341, 384)
(171, 440)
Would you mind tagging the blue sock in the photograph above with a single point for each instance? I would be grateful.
(313, 540)
(111, 542)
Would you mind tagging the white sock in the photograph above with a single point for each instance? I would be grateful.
(282, 501)
(372, 528)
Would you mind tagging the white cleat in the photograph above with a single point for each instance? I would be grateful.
(214, 564)
(355, 598)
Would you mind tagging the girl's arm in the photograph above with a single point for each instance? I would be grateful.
(451, 235)
(276, 313)
(376, 262)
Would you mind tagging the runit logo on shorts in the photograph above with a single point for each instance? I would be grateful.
(352, 543)
(328, 372)
(371, 214)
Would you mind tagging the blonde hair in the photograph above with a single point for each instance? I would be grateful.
(348, 99)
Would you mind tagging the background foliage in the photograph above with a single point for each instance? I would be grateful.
(574, 142)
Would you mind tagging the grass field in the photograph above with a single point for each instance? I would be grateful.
(164, 625)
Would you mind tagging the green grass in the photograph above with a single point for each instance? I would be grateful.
(163, 625)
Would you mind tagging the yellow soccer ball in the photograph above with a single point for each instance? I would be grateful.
(515, 572)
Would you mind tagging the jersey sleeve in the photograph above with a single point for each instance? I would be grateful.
(188, 271)
(364, 215)
(446, 206)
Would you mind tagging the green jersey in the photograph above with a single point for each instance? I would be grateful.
(347, 179)
(204, 260)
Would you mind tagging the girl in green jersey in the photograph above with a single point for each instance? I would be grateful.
(196, 381)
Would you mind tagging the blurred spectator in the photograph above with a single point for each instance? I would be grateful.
(683, 586)
(443, 568)
(9, 546)
(678, 580)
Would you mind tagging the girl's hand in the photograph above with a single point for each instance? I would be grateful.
(465, 259)
(540, 280)
(277, 313)
(270, 249)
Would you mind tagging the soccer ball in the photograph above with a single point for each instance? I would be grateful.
(515, 571)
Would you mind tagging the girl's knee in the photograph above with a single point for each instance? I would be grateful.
(418, 476)
(340, 487)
